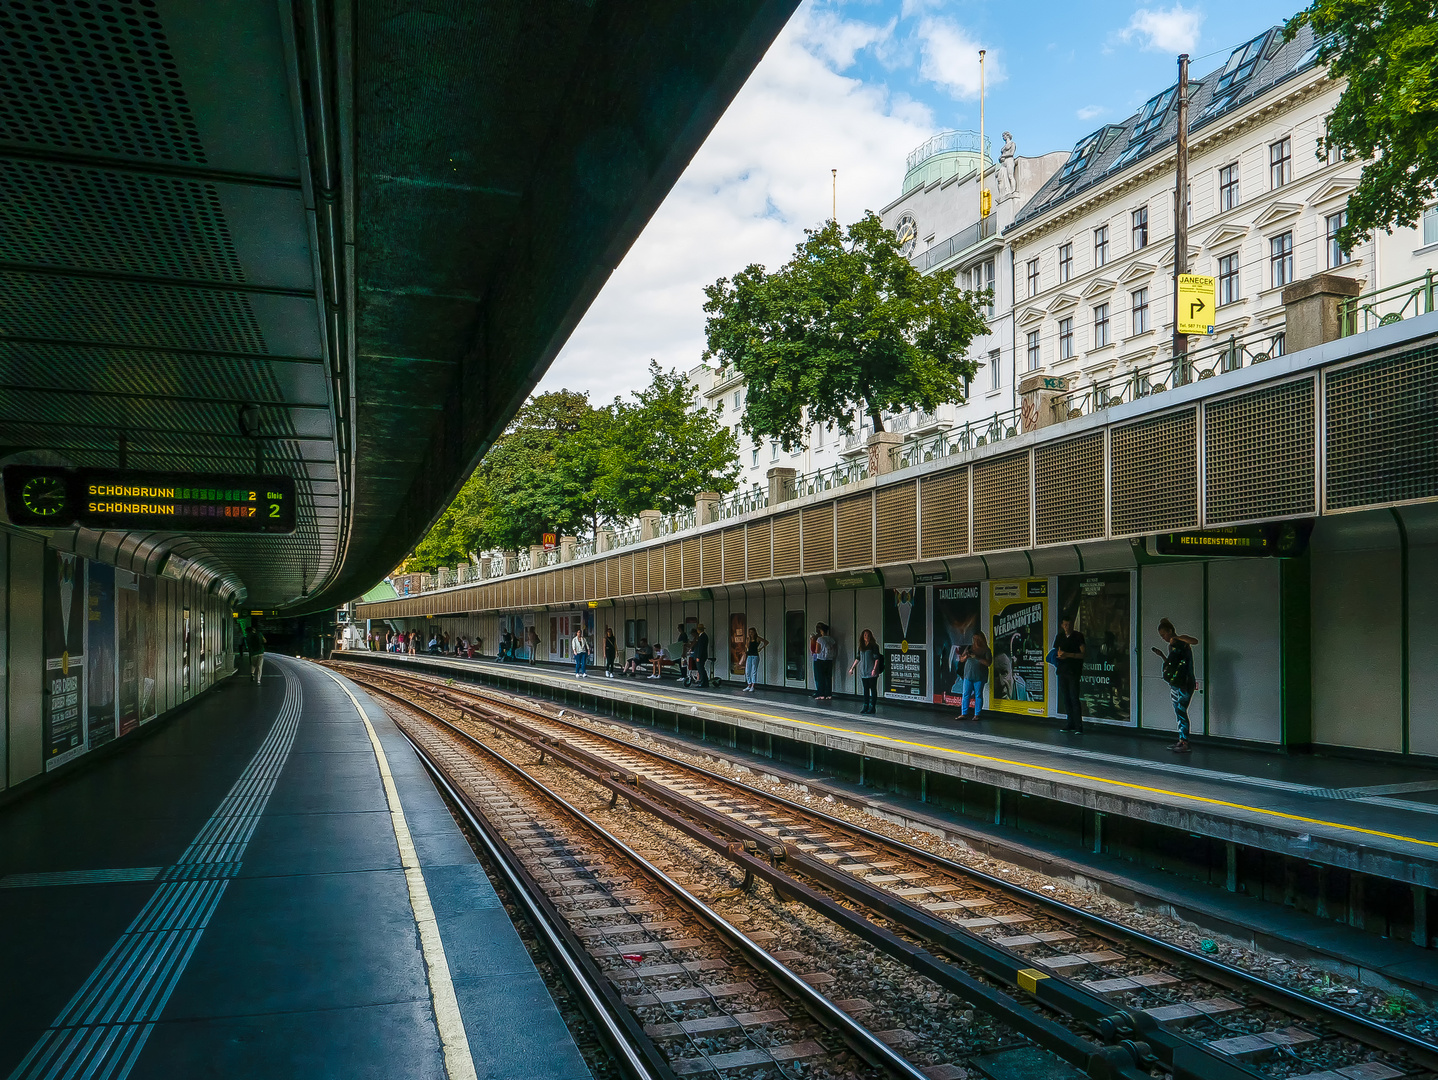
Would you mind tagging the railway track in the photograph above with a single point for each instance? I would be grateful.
(1107, 999)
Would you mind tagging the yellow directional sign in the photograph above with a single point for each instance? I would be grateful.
(1196, 301)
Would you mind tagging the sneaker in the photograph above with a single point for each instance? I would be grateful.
(1181, 747)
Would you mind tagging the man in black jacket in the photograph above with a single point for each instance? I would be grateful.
(701, 655)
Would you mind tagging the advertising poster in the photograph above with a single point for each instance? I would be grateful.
(64, 656)
(202, 648)
(906, 627)
(185, 654)
(1019, 636)
(738, 632)
(956, 620)
(100, 654)
(796, 648)
(1098, 604)
(127, 626)
(149, 630)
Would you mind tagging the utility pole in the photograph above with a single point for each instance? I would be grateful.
(983, 162)
(1180, 210)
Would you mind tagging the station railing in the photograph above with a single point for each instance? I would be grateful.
(1385, 306)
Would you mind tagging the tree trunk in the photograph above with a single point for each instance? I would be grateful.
(878, 418)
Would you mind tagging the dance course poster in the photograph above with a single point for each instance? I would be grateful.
(956, 620)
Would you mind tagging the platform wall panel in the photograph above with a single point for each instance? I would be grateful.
(26, 631)
(1243, 651)
(1423, 645)
(1174, 592)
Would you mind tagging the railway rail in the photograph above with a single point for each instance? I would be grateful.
(1109, 1000)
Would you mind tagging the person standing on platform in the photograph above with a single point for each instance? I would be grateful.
(751, 658)
(533, 645)
(701, 655)
(867, 662)
(977, 657)
(580, 649)
(257, 652)
(823, 646)
(610, 648)
(1068, 651)
(1178, 673)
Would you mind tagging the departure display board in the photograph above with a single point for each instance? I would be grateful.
(50, 498)
(1284, 540)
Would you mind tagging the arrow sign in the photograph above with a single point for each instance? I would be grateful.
(1195, 296)
(1195, 307)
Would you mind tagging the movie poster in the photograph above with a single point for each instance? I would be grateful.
(906, 627)
(64, 657)
(738, 634)
(1098, 604)
(956, 620)
(127, 625)
(1019, 635)
(185, 655)
(149, 632)
(100, 654)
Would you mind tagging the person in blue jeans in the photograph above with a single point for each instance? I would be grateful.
(1178, 673)
(977, 657)
(579, 647)
(751, 658)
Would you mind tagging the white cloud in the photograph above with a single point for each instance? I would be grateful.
(1171, 30)
(1088, 112)
(839, 40)
(760, 178)
(949, 58)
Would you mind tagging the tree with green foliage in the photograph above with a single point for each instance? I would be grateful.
(462, 528)
(1387, 115)
(662, 452)
(847, 323)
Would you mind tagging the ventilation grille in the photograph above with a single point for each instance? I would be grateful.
(654, 582)
(944, 514)
(733, 554)
(1068, 490)
(819, 538)
(897, 523)
(1258, 451)
(592, 590)
(758, 540)
(691, 562)
(1155, 475)
(856, 531)
(673, 570)
(1001, 503)
(605, 579)
(713, 553)
(1379, 431)
(626, 575)
(786, 545)
(107, 63)
(42, 305)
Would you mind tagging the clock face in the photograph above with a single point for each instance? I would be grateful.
(907, 230)
(44, 496)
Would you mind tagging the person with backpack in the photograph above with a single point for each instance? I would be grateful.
(976, 657)
(751, 658)
(870, 661)
(1178, 673)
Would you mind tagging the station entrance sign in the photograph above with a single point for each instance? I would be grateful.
(46, 497)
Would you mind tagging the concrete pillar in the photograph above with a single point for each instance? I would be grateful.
(881, 446)
(536, 555)
(1311, 310)
(781, 484)
(566, 548)
(649, 524)
(509, 558)
(706, 507)
(1042, 401)
(484, 562)
(604, 540)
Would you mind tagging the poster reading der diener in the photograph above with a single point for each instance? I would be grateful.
(1018, 679)
(64, 657)
(956, 620)
(1098, 604)
(906, 627)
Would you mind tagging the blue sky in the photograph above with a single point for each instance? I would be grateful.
(855, 85)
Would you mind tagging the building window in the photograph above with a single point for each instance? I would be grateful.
(1280, 259)
(1140, 311)
(996, 373)
(1140, 228)
(1280, 163)
(756, 457)
(1066, 262)
(1430, 225)
(1228, 291)
(737, 398)
(1033, 350)
(1100, 246)
(984, 279)
(1033, 272)
(1066, 339)
(719, 407)
(1228, 187)
(1336, 254)
(773, 451)
(1100, 326)
(1334, 154)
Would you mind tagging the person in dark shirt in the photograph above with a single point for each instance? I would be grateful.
(1178, 673)
(701, 654)
(1068, 647)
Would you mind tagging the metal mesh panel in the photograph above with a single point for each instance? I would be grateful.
(1155, 475)
(652, 579)
(691, 562)
(819, 538)
(1068, 490)
(944, 514)
(673, 571)
(713, 555)
(856, 531)
(607, 578)
(1258, 454)
(897, 522)
(733, 554)
(626, 575)
(786, 545)
(1001, 503)
(1379, 443)
(760, 545)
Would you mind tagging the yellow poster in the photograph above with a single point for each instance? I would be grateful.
(1196, 301)
(1019, 632)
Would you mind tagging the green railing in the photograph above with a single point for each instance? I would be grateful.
(1391, 304)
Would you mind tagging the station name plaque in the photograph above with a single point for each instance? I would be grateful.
(47, 497)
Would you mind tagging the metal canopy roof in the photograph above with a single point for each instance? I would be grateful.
(376, 222)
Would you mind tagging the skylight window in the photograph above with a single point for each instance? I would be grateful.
(1131, 153)
(1087, 148)
(1153, 114)
(1312, 54)
(1241, 62)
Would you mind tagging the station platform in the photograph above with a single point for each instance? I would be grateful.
(1373, 817)
(241, 894)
